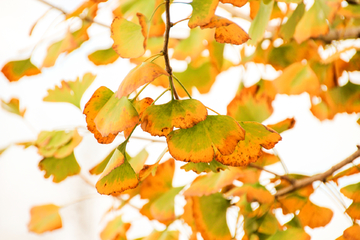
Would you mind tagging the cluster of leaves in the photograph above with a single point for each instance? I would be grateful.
(219, 148)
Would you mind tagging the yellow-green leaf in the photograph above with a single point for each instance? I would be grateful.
(115, 229)
(213, 166)
(258, 26)
(118, 176)
(99, 168)
(70, 91)
(103, 57)
(15, 70)
(44, 218)
(287, 30)
(198, 144)
(60, 168)
(352, 191)
(159, 120)
(165, 235)
(13, 106)
(211, 222)
(283, 125)
(290, 233)
(249, 150)
(140, 75)
(191, 46)
(203, 11)
(129, 38)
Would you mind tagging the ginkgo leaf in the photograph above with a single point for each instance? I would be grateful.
(154, 186)
(70, 91)
(314, 216)
(253, 103)
(269, 224)
(44, 218)
(254, 193)
(129, 38)
(212, 182)
(227, 31)
(211, 223)
(165, 235)
(267, 159)
(198, 144)
(140, 75)
(159, 120)
(283, 125)
(162, 209)
(213, 166)
(103, 57)
(348, 172)
(237, 3)
(296, 79)
(137, 162)
(99, 168)
(58, 144)
(292, 202)
(287, 30)
(117, 176)
(260, 22)
(203, 11)
(352, 191)
(191, 46)
(354, 210)
(314, 22)
(249, 150)
(60, 168)
(13, 106)
(188, 215)
(115, 229)
(352, 233)
(290, 233)
(15, 70)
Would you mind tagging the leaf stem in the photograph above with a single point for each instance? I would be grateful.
(180, 21)
(160, 96)
(213, 110)
(182, 86)
(142, 89)
(277, 175)
(155, 56)
(165, 49)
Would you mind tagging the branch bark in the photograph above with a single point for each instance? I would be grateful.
(318, 177)
(165, 48)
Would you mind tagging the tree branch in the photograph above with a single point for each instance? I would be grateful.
(165, 48)
(339, 34)
(290, 180)
(318, 177)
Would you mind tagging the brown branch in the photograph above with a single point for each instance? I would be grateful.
(290, 180)
(318, 177)
(165, 48)
(65, 13)
(339, 34)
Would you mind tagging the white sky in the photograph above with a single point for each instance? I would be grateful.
(311, 147)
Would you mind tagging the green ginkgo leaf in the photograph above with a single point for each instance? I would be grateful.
(15, 70)
(13, 106)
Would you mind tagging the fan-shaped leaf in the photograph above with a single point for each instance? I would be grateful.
(159, 120)
(115, 229)
(70, 91)
(213, 166)
(283, 125)
(352, 191)
(13, 106)
(203, 11)
(290, 233)
(314, 216)
(15, 70)
(103, 57)
(197, 144)
(260, 22)
(44, 218)
(99, 168)
(354, 210)
(254, 193)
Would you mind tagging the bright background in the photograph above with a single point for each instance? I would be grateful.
(311, 147)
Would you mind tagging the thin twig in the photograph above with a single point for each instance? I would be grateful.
(213, 110)
(290, 180)
(86, 180)
(281, 161)
(318, 177)
(165, 48)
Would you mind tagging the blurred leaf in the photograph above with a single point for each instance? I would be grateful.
(99, 168)
(138, 76)
(13, 106)
(203, 11)
(237, 3)
(348, 172)
(103, 57)
(129, 38)
(165, 235)
(159, 120)
(199, 143)
(60, 168)
(350, 11)
(70, 91)
(287, 30)
(290, 233)
(283, 125)
(115, 229)
(191, 46)
(354, 210)
(314, 216)
(211, 223)
(352, 233)
(254, 193)
(44, 218)
(213, 166)
(15, 70)
(260, 22)
(117, 176)
(269, 224)
(352, 191)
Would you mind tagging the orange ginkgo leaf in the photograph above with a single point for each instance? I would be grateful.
(283, 125)
(354, 210)
(314, 22)
(198, 144)
(60, 168)
(44, 218)
(159, 120)
(355, 169)
(70, 91)
(291, 203)
(140, 75)
(267, 159)
(249, 150)
(99, 168)
(352, 191)
(237, 3)
(296, 79)
(15, 70)
(129, 38)
(13, 106)
(117, 176)
(203, 11)
(314, 216)
(254, 193)
(103, 57)
(227, 31)
(115, 229)
(212, 182)
(213, 166)
(352, 233)
(211, 222)
(165, 235)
